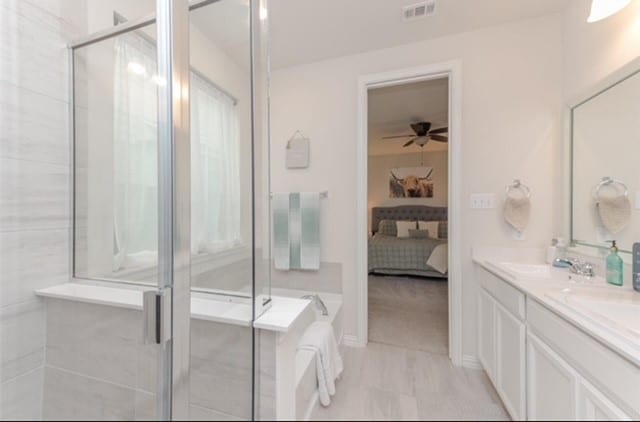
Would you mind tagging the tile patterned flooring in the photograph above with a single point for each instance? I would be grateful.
(404, 373)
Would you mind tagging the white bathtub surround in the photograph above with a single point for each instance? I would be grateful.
(290, 391)
(581, 338)
(320, 339)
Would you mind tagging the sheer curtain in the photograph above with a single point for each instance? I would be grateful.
(135, 143)
(215, 172)
(215, 156)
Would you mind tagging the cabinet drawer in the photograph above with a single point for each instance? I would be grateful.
(609, 372)
(506, 295)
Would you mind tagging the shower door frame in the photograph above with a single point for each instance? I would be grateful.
(174, 183)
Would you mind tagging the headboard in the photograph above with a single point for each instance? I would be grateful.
(408, 213)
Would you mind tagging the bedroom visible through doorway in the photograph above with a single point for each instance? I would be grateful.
(407, 202)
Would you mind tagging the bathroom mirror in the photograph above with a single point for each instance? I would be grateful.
(605, 174)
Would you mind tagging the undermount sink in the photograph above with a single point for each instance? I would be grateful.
(528, 270)
(619, 311)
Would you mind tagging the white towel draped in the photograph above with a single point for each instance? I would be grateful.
(614, 212)
(517, 212)
(320, 339)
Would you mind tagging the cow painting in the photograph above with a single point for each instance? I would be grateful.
(411, 182)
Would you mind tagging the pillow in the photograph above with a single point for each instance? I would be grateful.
(419, 234)
(387, 227)
(403, 227)
(439, 258)
(431, 226)
(443, 230)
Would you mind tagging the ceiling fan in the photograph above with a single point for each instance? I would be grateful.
(423, 134)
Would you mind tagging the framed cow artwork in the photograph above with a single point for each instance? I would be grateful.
(411, 182)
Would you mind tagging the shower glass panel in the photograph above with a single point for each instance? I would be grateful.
(118, 225)
(116, 158)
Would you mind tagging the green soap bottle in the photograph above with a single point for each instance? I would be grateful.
(614, 266)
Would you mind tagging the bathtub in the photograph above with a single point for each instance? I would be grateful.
(306, 378)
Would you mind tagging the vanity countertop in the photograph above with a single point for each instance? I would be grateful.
(607, 313)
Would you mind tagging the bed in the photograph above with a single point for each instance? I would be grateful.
(391, 255)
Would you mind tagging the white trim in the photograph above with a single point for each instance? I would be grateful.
(471, 362)
(351, 341)
(453, 70)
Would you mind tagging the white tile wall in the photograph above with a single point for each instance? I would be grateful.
(34, 186)
(98, 368)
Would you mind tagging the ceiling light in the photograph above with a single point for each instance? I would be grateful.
(136, 68)
(601, 9)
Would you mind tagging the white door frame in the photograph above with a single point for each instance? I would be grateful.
(453, 71)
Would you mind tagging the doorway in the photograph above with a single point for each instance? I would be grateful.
(449, 74)
(408, 196)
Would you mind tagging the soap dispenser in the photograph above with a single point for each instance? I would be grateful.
(614, 265)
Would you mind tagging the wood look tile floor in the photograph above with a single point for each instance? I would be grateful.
(404, 373)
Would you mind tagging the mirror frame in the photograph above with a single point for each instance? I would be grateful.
(615, 78)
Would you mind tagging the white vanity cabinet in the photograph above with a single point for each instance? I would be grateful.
(545, 367)
(501, 340)
(552, 384)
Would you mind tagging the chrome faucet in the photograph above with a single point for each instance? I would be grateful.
(586, 269)
(318, 302)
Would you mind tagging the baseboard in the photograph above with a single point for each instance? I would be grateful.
(471, 362)
(350, 340)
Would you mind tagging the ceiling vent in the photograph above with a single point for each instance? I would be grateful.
(419, 10)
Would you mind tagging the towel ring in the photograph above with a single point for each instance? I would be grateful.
(518, 185)
(608, 181)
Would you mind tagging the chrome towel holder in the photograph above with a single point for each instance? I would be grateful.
(608, 181)
(518, 185)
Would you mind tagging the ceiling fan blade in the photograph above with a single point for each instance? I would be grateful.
(439, 130)
(439, 138)
(399, 136)
(410, 142)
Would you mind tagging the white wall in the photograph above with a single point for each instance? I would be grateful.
(594, 50)
(379, 167)
(511, 105)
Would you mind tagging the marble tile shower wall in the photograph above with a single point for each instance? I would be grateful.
(34, 187)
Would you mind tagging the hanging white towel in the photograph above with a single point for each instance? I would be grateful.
(615, 212)
(320, 339)
(517, 212)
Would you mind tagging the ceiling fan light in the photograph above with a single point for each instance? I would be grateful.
(601, 9)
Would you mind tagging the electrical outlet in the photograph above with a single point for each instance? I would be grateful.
(482, 201)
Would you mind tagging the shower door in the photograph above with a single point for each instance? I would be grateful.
(170, 134)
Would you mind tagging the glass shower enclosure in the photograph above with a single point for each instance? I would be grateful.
(170, 193)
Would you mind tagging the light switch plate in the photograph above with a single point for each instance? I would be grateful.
(482, 201)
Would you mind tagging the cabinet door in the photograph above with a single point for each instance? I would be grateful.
(486, 333)
(510, 362)
(594, 406)
(551, 383)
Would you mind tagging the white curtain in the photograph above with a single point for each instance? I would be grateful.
(215, 172)
(135, 143)
(215, 155)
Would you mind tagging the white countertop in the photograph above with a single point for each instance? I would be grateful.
(552, 290)
(280, 316)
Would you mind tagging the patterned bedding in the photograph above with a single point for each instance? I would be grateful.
(393, 255)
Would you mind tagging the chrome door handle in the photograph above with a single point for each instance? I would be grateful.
(156, 315)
